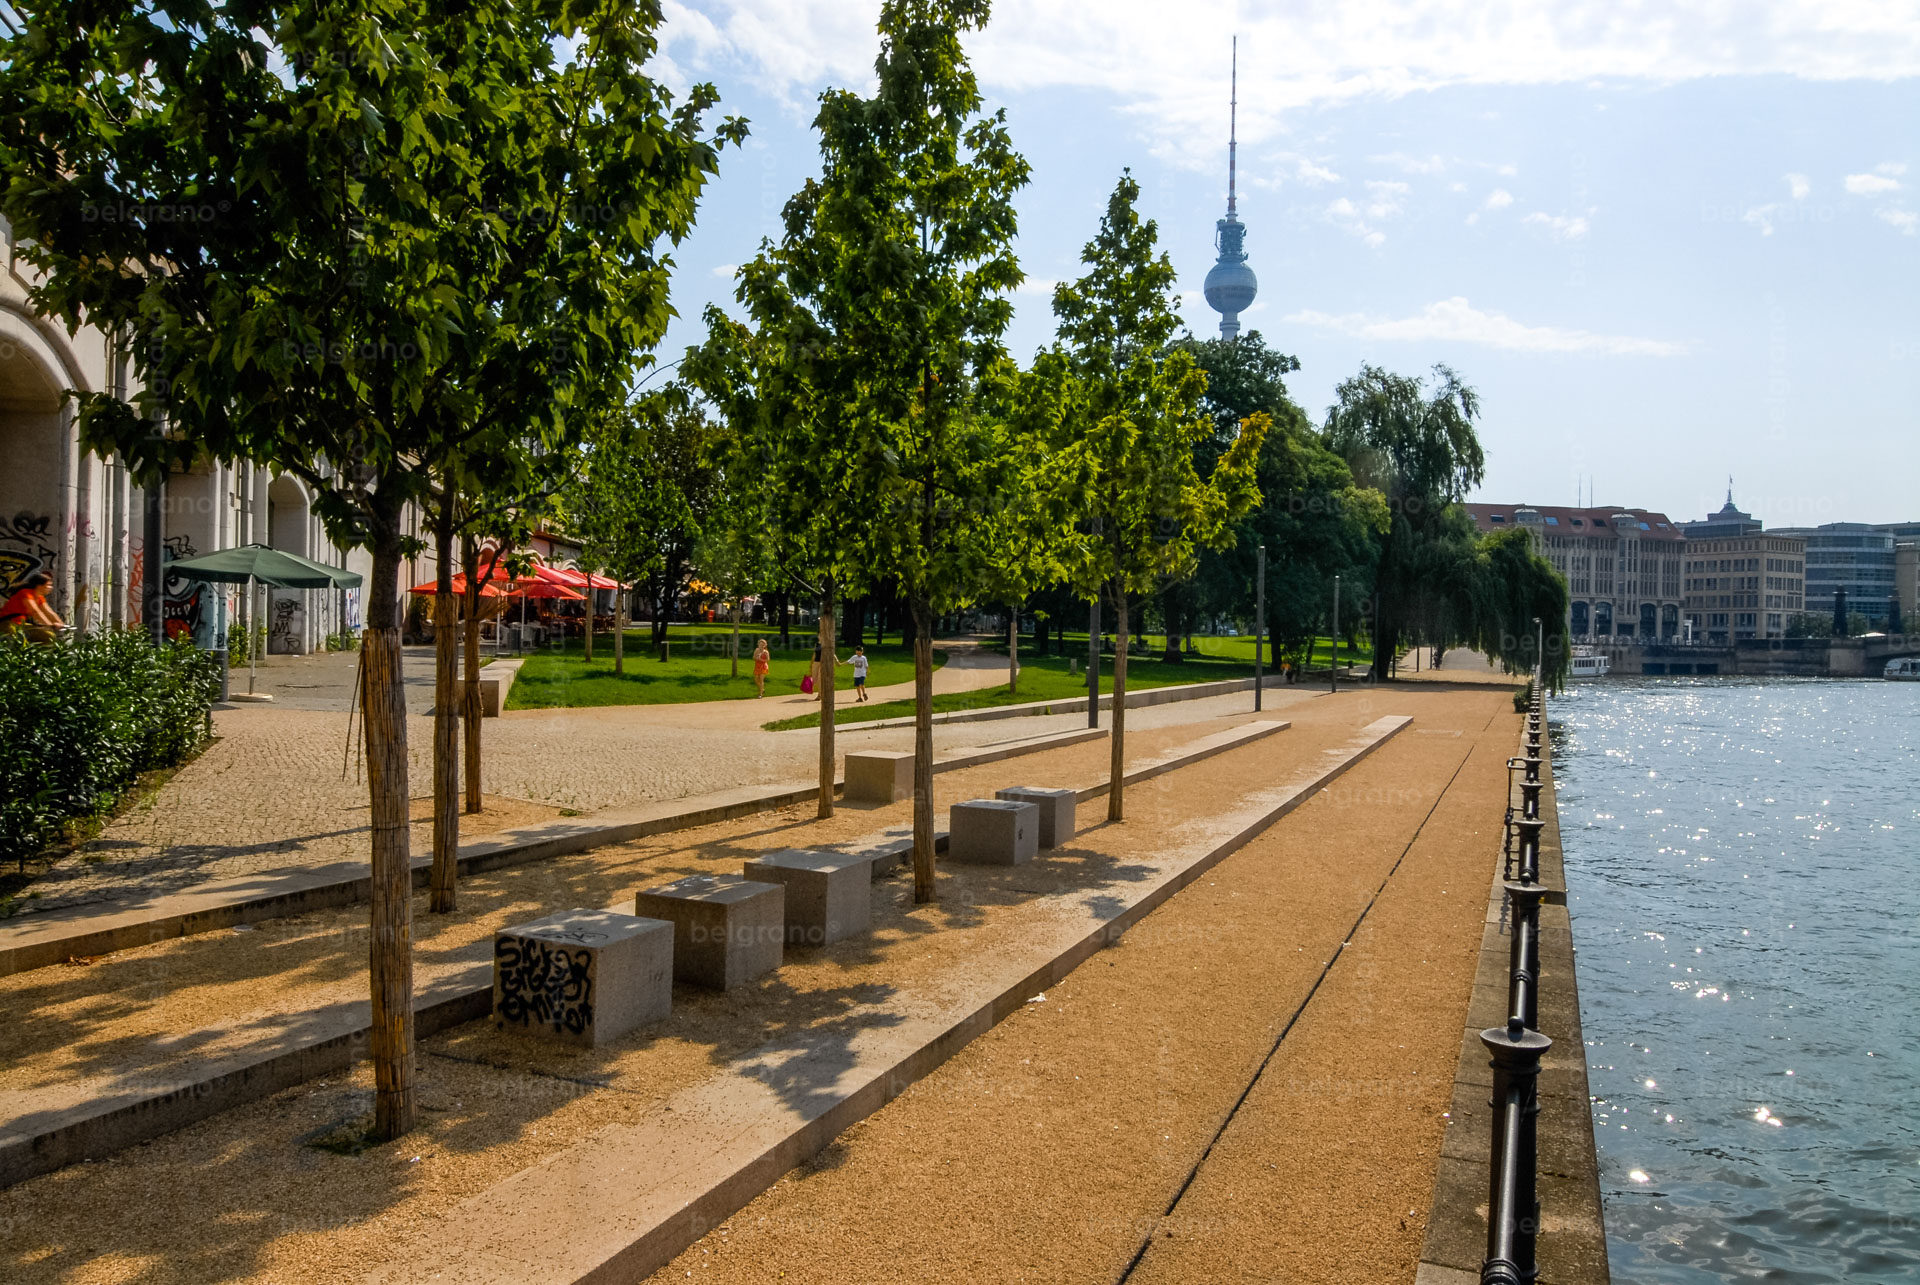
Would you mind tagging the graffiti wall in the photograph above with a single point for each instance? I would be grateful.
(287, 625)
(26, 546)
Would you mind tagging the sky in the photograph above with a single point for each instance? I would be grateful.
(1667, 243)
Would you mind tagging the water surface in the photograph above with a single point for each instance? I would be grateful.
(1743, 866)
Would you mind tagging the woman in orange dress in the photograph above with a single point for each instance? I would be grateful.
(762, 661)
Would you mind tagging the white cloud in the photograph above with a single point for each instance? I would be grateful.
(1871, 184)
(1171, 74)
(1761, 216)
(1906, 220)
(1413, 164)
(1561, 227)
(1385, 199)
(1043, 286)
(726, 271)
(1498, 199)
(1457, 321)
(1890, 167)
(1291, 166)
(1798, 186)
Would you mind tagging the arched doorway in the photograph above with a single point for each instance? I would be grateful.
(1647, 617)
(1603, 619)
(1581, 620)
(289, 529)
(36, 502)
(1669, 621)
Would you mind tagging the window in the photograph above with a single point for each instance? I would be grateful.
(1495, 517)
(1553, 521)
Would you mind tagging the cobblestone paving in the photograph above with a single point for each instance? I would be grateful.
(271, 793)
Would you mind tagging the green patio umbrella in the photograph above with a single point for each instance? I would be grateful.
(247, 563)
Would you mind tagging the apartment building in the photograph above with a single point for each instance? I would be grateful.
(1622, 566)
(1742, 581)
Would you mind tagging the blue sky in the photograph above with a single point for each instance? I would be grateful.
(1665, 242)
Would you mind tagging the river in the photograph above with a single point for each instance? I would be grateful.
(1743, 866)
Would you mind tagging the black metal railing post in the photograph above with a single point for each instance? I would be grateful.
(1529, 829)
(1523, 975)
(1513, 1205)
(1530, 799)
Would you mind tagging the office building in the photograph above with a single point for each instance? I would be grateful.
(1622, 566)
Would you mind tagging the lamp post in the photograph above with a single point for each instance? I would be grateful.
(1093, 660)
(1333, 662)
(1540, 649)
(1259, 619)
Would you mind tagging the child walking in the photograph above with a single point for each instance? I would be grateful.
(860, 673)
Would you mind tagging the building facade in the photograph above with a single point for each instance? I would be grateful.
(1742, 581)
(1622, 566)
(1854, 557)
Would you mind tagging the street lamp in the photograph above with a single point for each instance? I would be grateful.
(1259, 619)
(1333, 662)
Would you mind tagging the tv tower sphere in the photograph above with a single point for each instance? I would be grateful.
(1231, 284)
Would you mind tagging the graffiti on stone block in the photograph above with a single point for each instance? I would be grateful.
(544, 984)
(26, 546)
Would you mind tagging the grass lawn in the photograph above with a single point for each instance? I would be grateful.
(1239, 648)
(1043, 678)
(558, 677)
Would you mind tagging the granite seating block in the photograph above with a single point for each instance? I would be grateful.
(726, 930)
(828, 893)
(1056, 811)
(994, 832)
(582, 976)
(877, 776)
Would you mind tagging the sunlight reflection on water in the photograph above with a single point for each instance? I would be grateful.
(1745, 884)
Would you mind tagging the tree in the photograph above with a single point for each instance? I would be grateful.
(1420, 450)
(297, 191)
(1511, 588)
(1136, 419)
(876, 316)
(1314, 522)
(644, 493)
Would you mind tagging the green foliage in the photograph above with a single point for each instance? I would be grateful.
(1312, 518)
(1420, 450)
(648, 485)
(80, 721)
(402, 241)
(1510, 587)
(1131, 412)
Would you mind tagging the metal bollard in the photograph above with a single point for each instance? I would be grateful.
(1530, 799)
(1532, 764)
(1529, 829)
(1523, 975)
(1513, 1205)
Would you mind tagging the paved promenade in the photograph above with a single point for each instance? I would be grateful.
(281, 788)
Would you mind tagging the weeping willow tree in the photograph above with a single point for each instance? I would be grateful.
(1508, 587)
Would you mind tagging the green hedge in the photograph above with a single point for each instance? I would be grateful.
(80, 721)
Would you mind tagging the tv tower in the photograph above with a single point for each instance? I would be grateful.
(1231, 284)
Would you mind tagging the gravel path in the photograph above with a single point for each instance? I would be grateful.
(1049, 1150)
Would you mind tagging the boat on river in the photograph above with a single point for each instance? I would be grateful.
(1588, 663)
(1903, 669)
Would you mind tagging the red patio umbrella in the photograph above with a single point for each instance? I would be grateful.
(535, 587)
(488, 588)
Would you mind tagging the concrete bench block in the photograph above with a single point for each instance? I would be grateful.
(878, 776)
(828, 893)
(726, 930)
(583, 976)
(1056, 811)
(994, 832)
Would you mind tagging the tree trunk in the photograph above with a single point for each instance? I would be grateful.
(733, 647)
(446, 719)
(1013, 649)
(828, 641)
(390, 955)
(1117, 769)
(470, 702)
(922, 620)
